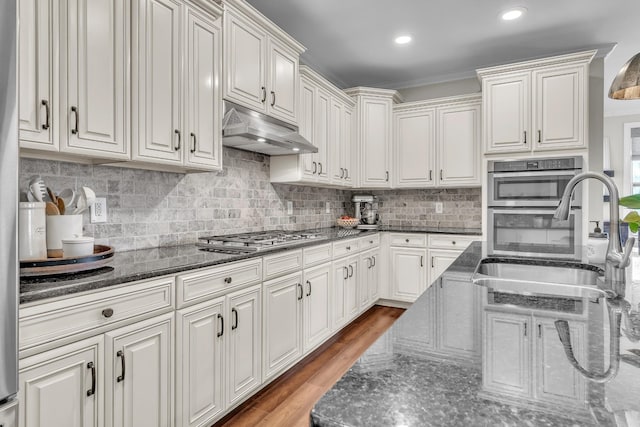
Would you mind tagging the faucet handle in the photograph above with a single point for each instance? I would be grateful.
(626, 253)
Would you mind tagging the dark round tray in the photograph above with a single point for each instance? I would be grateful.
(40, 267)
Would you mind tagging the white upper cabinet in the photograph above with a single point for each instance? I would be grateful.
(414, 148)
(38, 75)
(96, 90)
(176, 111)
(437, 143)
(261, 63)
(374, 135)
(325, 117)
(539, 105)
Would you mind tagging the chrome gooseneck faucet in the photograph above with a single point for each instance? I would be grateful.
(616, 259)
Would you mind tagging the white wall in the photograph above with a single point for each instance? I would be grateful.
(441, 90)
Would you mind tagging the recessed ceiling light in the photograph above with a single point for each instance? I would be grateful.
(295, 149)
(511, 14)
(262, 140)
(403, 39)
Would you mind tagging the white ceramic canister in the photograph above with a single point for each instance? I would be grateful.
(61, 227)
(32, 230)
(77, 246)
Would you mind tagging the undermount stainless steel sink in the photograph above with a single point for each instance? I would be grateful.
(539, 277)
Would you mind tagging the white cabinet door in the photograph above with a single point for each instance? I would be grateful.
(439, 261)
(340, 273)
(38, 74)
(336, 169)
(507, 116)
(156, 80)
(458, 317)
(244, 355)
(559, 110)
(322, 134)
(97, 75)
(9, 414)
(374, 277)
(458, 145)
(63, 387)
(203, 107)
(347, 144)
(408, 273)
(283, 82)
(506, 358)
(317, 306)
(375, 142)
(306, 122)
(414, 149)
(282, 323)
(352, 288)
(139, 374)
(556, 380)
(200, 358)
(369, 292)
(245, 47)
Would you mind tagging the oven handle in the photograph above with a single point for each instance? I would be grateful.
(547, 211)
(533, 174)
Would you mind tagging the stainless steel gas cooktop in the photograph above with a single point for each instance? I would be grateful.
(252, 242)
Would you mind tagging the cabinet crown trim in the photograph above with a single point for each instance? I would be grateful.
(318, 80)
(371, 91)
(574, 58)
(253, 14)
(208, 6)
(438, 102)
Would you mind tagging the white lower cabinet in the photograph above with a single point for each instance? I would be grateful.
(281, 323)
(63, 386)
(459, 319)
(218, 354)
(9, 414)
(121, 378)
(408, 273)
(317, 306)
(345, 291)
(139, 374)
(440, 260)
(200, 359)
(524, 358)
(369, 281)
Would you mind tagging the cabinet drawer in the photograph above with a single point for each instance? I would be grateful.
(369, 242)
(40, 324)
(407, 239)
(315, 255)
(451, 241)
(345, 247)
(281, 264)
(211, 282)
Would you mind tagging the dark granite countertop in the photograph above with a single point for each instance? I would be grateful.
(144, 264)
(409, 377)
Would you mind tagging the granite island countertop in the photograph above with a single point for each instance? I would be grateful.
(132, 266)
(403, 380)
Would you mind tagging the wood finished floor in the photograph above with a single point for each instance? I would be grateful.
(288, 400)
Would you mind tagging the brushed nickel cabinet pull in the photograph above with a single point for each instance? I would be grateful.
(350, 270)
(309, 293)
(525, 329)
(525, 136)
(386, 176)
(234, 314)
(47, 120)
(195, 141)
(120, 355)
(346, 273)
(539, 136)
(221, 325)
(440, 174)
(301, 291)
(315, 167)
(264, 94)
(341, 172)
(432, 264)
(320, 168)
(346, 172)
(421, 261)
(374, 261)
(430, 175)
(273, 98)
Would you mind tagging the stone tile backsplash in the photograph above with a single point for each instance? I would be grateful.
(150, 209)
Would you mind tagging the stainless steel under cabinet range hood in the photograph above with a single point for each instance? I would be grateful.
(252, 131)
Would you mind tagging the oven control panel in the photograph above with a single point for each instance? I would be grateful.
(563, 163)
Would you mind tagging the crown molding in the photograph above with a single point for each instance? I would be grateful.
(319, 80)
(573, 58)
(438, 102)
(371, 91)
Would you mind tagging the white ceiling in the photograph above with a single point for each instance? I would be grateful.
(350, 42)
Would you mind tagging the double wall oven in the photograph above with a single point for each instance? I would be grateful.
(522, 198)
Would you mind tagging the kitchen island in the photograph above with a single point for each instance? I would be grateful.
(521, 378)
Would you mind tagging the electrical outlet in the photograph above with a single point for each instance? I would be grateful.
(289, 207)
(438, 207)
(99, 210)
(327, 208)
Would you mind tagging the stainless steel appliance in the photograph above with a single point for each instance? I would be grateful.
(366, 207)
(522, 198)
(253, 242)
(9, 204)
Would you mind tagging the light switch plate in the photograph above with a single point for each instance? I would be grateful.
(289, 207)
(99, 210)
(438, 207)
(327, 207)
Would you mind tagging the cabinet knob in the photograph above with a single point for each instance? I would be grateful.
(371, 242)
(348, 248)
(227, 280)
(107, 312)
(453, 242)
(406, 240)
